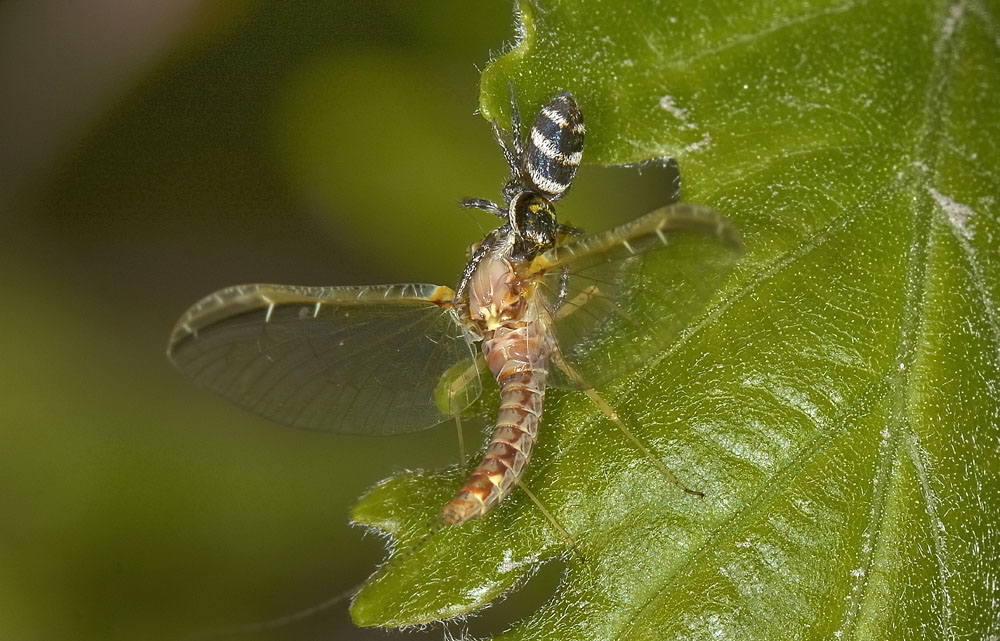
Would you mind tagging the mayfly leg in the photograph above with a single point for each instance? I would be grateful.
(551, 518)
(433, 527)
(613, 415)
(461, 440)
(610, 412)
(277, 622)
(455, 403)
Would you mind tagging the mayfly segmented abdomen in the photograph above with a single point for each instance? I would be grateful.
(518, 358)
(555, 146)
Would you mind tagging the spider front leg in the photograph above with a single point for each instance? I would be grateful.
(478, 252)
(565, 305)
(563, 231)
(471, 251)
(563, 287)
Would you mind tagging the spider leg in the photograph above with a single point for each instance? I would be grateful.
(485, 205)
(563, 287)
(515, 124)
(474, 261)
(510, 153)
(569, 230)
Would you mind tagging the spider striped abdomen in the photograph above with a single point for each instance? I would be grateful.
(554, 146)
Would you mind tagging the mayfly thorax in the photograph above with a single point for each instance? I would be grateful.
(551, 307)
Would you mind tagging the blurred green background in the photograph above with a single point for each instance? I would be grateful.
(151, 153)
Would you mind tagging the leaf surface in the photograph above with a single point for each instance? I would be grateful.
(838, 404)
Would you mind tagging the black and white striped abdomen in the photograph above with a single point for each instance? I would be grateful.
(554, 146)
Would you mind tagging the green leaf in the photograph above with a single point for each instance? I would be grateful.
(839, 402)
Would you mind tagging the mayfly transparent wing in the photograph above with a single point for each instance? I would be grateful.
(620, 296)
(354, 360)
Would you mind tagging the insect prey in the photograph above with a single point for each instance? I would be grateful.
(548, 306)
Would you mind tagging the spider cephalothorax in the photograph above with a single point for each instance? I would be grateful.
(533, 221)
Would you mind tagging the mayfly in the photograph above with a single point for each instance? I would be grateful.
(550, 306)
